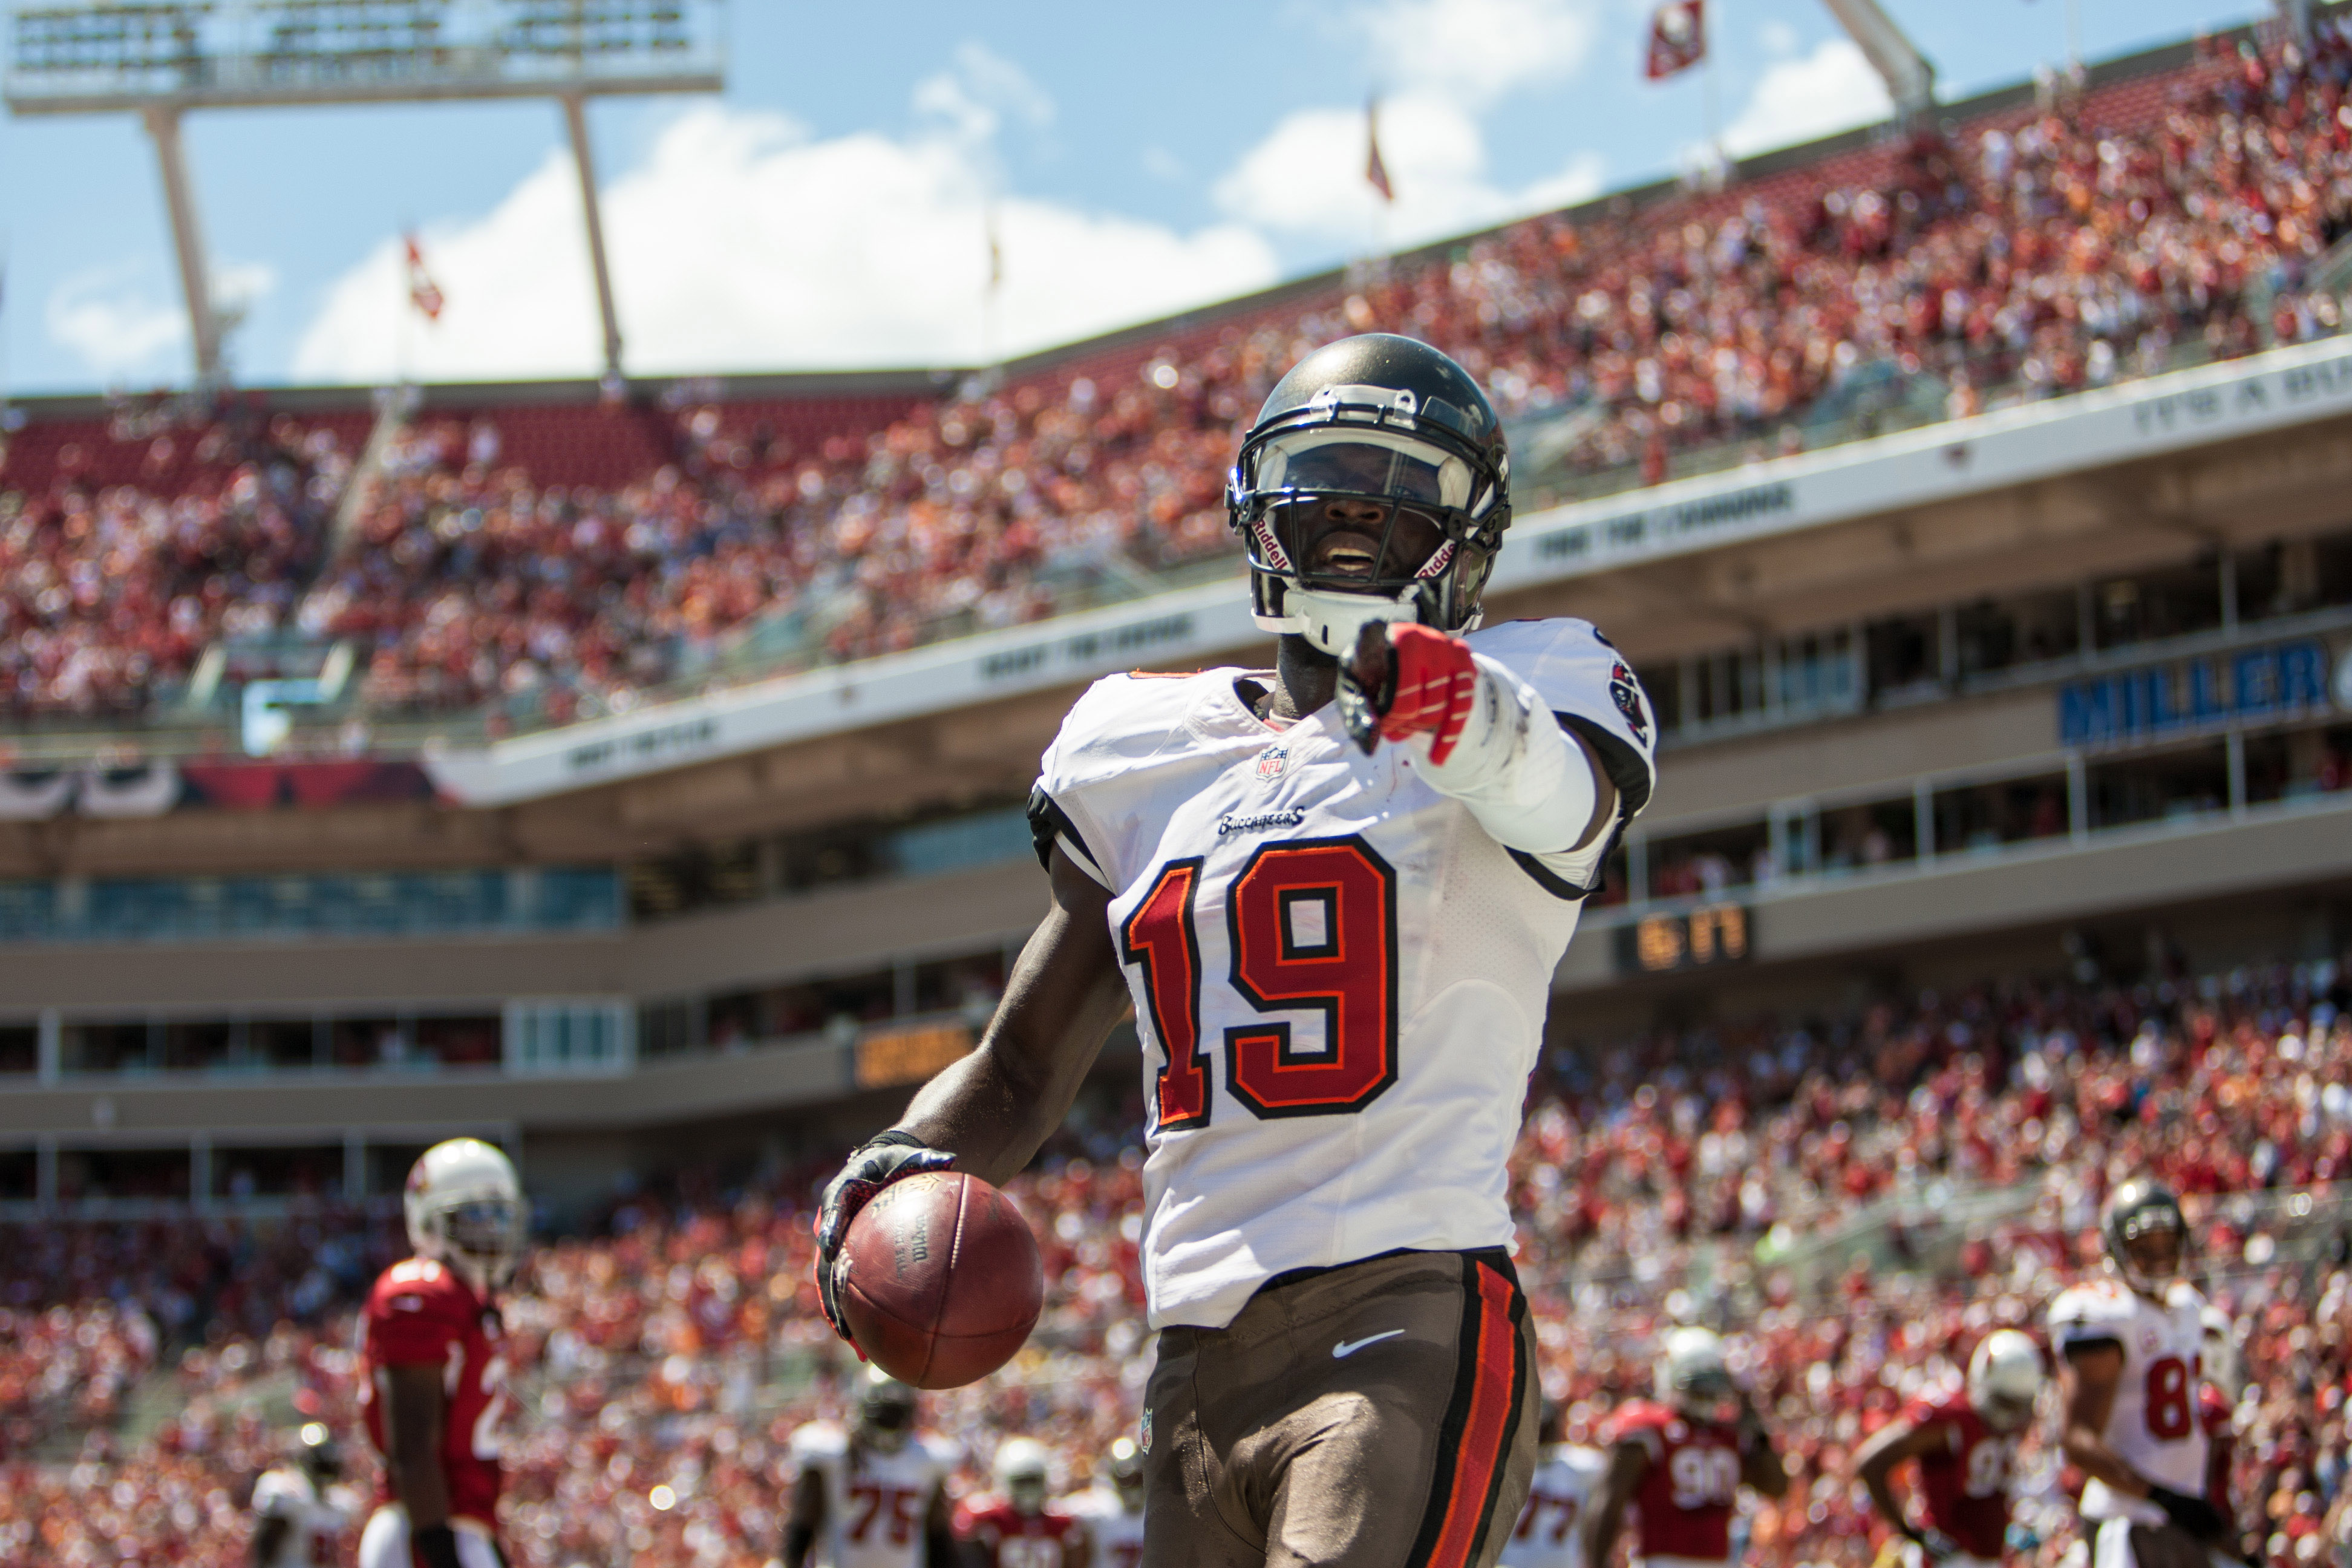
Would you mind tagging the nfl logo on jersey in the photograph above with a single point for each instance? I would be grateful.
(1271, 761)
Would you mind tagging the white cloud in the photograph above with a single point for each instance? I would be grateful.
(1306, 177)
(113, 321)
(974, 95)
(743, 243)
(1447, 62)
(1478, 49)
(1833, 89)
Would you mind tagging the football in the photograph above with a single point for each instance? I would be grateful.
(940, 1281)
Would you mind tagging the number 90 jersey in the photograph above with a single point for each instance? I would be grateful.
(1686, 1496)
(2153, 1423)
(1340, 978)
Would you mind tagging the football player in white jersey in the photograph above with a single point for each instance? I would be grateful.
(301, 1509)
(1113, 1506)
(1547, 1535)
(2130, 1348)
(873, 1496)
(1334, 893)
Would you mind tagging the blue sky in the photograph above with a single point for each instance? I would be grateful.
(829, 210)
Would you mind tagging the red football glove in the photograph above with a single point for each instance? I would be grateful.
(1436, 682)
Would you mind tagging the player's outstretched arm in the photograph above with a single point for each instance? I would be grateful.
(995, 1108)
(1483, 736)
(2088, 1375)
(1875, 1462)
(1628, 1463)
(805, 1518)
(414, 1411)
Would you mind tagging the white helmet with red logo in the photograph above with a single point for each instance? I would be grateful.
(1693, 1375)
(2004, 1379)
(465, 1209)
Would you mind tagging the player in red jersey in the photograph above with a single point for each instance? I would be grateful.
(1680, 1460)
(435, 1380)
(1965, 1442)
(1017, 1527)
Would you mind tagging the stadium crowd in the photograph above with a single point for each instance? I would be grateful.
(2033, 252)
(664, 1354)
(110, 591)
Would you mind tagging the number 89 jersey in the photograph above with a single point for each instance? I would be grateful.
(2153, 1423)
(1340, 978)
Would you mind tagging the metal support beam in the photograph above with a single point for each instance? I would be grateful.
(1910, 80)
(188, 240)
(575, 116)
(2296, 14)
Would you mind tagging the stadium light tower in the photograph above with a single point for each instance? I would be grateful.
(159, 58)
(1909, 76)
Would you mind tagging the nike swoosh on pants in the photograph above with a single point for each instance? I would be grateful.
(1346, 1348)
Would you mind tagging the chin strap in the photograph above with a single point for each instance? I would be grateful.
(1530, 787)
(1333, 622)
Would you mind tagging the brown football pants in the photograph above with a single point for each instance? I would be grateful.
(1380, 1415)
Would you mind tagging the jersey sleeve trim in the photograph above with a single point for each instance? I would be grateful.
(1549, 880)
(1627, 768)
(1629, 772)
(1049, 825)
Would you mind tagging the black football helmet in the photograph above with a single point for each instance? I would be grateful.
(1391, 422)
(1126, 1468)
(885, 1412)
(2139, 1213)
(316, 1451)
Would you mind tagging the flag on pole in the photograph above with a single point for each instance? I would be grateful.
(1376, 172)
(423, 292)
(1678, 38)
(995, 254)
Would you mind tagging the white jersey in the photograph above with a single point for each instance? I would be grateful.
(1340, 978)
(1117, 1529)
(875, 1506)
(1547, 1535)
(314, 1520)
(2154, 1424)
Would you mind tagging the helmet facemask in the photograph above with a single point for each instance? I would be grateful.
(482, 1239)
(1362, 506)
(885, 1415)
(465, 1209)
(1021, 1474)
(2149, 1246)
(1693, 1377)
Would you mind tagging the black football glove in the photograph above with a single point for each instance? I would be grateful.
(873, 1166)
(2196, 1515)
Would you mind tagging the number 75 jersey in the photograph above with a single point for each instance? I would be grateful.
(1340, 978)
